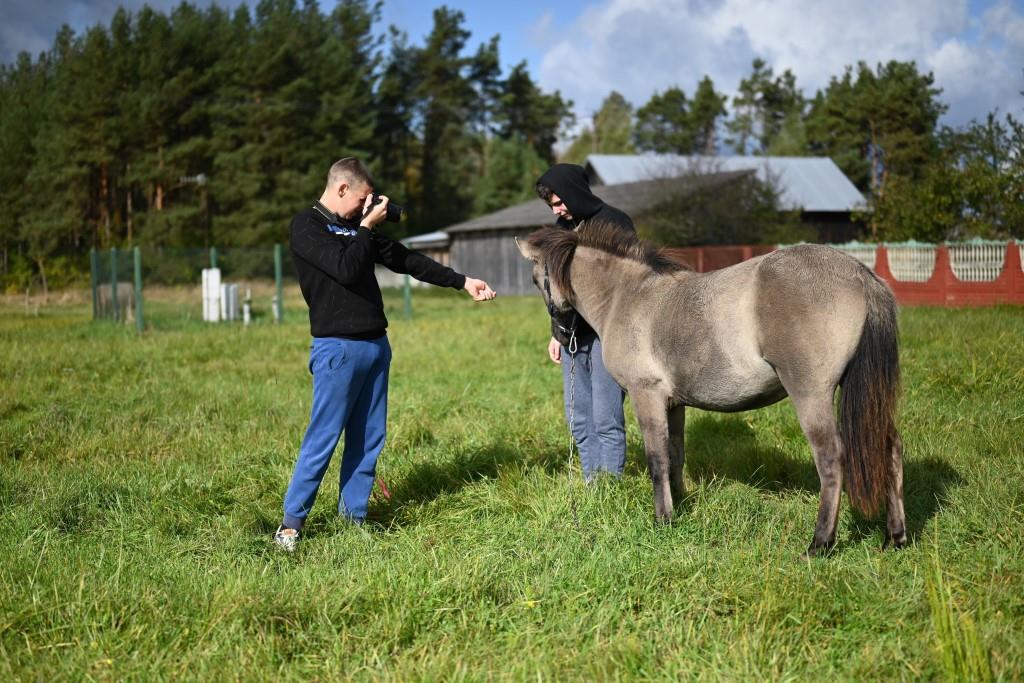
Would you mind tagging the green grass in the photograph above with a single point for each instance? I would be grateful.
(141, 478)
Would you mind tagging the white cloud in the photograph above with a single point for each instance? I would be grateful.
(542, 32)
(640, 46)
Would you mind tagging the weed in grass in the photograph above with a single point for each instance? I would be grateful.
(962, 653)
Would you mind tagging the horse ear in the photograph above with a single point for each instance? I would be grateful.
(525, 249)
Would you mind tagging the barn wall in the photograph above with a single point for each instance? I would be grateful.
(494, 257)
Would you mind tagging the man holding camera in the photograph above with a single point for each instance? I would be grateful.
(334, 246)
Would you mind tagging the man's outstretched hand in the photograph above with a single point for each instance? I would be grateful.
(479, 290)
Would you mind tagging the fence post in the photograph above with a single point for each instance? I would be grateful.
(94, 280)
(279, 309)
(139, 324)
(407, 297)
(213, 257)
(113, 284)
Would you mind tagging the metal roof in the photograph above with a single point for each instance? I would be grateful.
(430, 240)
(805, 183)
(633, 198)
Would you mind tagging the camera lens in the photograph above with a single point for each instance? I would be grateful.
(394, 213)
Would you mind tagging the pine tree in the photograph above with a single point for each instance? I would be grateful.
(511, 175)
(396, 148)
(707, 108)
(527, 114)
(762, 107)
(611, 132)
(277, 161)
(446, 98)
(877, 123)
(67, 191)
(23, 88)
(663, 125)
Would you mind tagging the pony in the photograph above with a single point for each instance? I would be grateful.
(801, 322)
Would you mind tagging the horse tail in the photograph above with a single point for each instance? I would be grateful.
(867, 403)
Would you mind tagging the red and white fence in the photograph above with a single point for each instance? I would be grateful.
(967, 274)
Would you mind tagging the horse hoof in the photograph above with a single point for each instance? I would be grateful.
(895, 543)
(817, 551)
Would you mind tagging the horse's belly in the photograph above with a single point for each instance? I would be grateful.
(724, 391)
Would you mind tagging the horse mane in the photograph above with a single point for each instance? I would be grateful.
(558, 247)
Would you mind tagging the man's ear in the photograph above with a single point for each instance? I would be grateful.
(342, 189)
(526, 250)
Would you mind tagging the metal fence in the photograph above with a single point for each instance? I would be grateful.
(116, 279)
(119, 276)
(184, 266)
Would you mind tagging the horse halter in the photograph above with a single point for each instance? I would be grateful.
(569, 332)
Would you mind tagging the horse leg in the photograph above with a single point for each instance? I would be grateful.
(676, 451)
(819, 426)
(652, 414)
(895, 523)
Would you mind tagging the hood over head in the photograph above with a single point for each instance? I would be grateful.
(571, 184)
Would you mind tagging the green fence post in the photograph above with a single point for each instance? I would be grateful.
(139, 323)
(94, 281)
(279, 309)
(407, 297)
(213, 257)
(113, 284)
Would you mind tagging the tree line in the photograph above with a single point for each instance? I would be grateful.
(206, 126)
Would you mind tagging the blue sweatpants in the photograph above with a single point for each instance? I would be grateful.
(598, 417)
(350, 395)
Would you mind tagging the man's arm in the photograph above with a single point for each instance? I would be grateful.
(397, 257)
(400, 259)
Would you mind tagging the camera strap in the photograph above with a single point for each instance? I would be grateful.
(328, 215)
(335, 223)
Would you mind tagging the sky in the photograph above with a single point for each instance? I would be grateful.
(587, 48)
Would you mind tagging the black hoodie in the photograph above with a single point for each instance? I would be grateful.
(571, 184)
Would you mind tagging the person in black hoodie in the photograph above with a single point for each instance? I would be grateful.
(598, 421)
(334, 246)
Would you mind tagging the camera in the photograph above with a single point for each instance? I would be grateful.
(394, 211)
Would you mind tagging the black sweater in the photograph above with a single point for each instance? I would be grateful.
(335, 270)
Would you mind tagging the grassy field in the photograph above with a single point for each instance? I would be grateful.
(141, 479)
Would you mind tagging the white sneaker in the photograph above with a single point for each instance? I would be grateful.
(286, 539)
